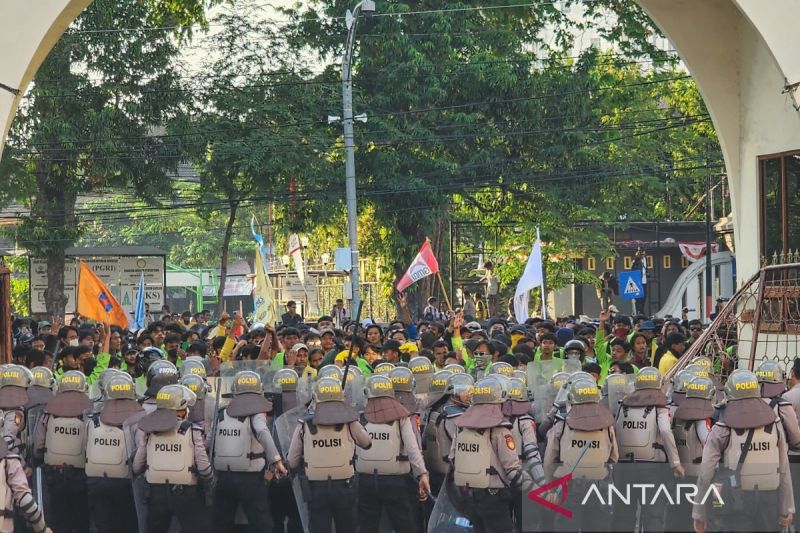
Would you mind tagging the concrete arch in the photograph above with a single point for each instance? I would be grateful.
(741, 54)
(27, 34)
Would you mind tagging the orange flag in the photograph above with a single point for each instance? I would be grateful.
(95, 300)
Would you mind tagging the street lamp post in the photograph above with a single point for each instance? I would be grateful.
(367, 7)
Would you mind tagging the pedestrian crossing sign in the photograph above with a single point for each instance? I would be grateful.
(631, 284)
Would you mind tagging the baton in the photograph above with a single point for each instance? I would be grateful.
(215, 422)
(350, 352)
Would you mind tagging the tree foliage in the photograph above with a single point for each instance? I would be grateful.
(90, 122)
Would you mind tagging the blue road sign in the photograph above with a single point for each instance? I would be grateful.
(630, 284)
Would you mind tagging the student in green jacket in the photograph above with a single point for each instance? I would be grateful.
(81, 358)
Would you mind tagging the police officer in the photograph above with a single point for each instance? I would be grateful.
(14, 382)
(244, 451)
(287, 380)
(171, 454)
(644, 437)
(17, 494)
(98, 389)
(404, 383)
(60, 443)
(441, 428)
(323, 446)
(384, 469)
(384, 367)
(41, 389)
(517, 408)
(584, 444)
(39, 393)
(502, 368)
(691, 424)
(486, 467)
(749, 443)
(281, 495)
(159, 374)
(556, 382)
(198, 385)
(437, 397)
(108, 450)
(772, 381)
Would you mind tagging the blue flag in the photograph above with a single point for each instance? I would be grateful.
(138, 312)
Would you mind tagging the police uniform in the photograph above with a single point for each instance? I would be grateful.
(281, 495)
(582, 443)
(159, 375)
(644, 437)
(14, 382)
(323, 451)
(557, 382)
(15, 493)
(60, 444)
(171, 454)
(486, 467)
(441, 429)
(772, 380)
(243, 451)
(691, 423)
(385, 468)
(763, 480)
(517, 408)
(435, 461)
(108, 452)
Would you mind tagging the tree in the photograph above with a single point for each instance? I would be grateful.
(474, 111)
(249, 131)
(90, 121)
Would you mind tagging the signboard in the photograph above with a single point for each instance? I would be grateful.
(120, 274)
(308, 294)
(630, 285)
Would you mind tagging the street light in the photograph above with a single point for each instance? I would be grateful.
(367, 7)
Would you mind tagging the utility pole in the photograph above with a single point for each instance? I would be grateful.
(368, 8)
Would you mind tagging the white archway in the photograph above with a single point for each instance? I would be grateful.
(28, 31)
(742, 54)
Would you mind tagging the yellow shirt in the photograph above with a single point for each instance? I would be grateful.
(668, 360)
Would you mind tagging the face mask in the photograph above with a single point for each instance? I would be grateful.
(73, 342)
(88, 366)
(172, 353)
(591, 360)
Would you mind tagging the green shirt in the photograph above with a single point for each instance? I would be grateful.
(103, 360)
(458, 347)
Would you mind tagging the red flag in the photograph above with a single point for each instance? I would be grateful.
(423, 266)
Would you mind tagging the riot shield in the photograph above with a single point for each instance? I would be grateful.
(572, 365)
(354, 389)
(616, 387)
(539, 384)
(138, 482)
(285, 426)
(445, 518)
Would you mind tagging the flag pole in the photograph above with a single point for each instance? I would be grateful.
(444, 292)
(544, 294)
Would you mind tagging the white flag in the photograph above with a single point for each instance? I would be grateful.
(296, 253)
(532, 277)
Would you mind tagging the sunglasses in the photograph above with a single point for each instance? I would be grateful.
(695, 329)
(481, 354)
